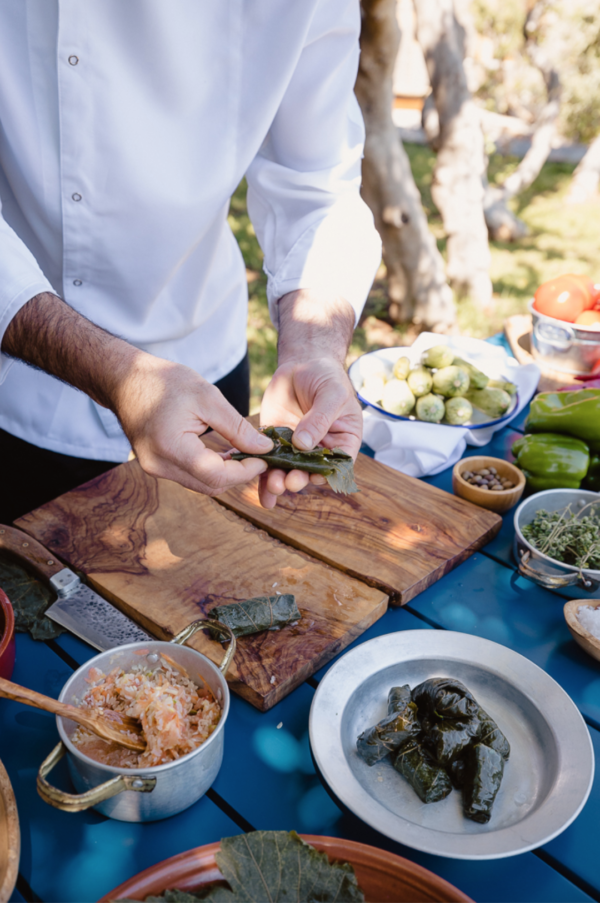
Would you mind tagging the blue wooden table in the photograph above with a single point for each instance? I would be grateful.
(268, 780)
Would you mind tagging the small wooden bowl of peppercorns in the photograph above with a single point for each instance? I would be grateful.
(489, 482)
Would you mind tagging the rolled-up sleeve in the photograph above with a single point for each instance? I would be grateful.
(304, 199)
(20, 280)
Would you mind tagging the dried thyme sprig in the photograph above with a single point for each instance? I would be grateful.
(571, 538)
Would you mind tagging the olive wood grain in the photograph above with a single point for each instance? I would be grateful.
(166, 556)
(113, 726)
(30, 553)
(398, 533)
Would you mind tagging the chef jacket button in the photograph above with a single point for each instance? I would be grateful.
(76, 196)
(77, 282)
(73, 60)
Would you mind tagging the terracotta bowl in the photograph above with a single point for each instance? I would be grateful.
(494, 501)
(7, 637)
(586, 640)
(383, 877)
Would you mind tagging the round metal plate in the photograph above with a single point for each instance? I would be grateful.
(547, 778)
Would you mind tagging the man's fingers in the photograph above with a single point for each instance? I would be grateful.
(267, 498)
(201, 469)
(229, 423)
(316, 423)
(275, 482)
(296, 480)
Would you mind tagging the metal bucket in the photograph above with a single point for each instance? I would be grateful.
(564, 346)
(142, 794)
(546, 571)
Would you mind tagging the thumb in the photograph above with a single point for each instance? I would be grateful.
(328, 401)
(224, 419)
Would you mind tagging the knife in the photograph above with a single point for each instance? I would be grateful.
(78, 608)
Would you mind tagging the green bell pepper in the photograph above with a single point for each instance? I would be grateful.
(574, 413)
(552, 461)
(592, 480)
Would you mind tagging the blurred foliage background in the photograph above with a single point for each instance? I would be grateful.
(502, 77)
(562, 239)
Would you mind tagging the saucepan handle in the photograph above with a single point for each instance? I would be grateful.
(551, 581)
(223, 629)
(77, 802)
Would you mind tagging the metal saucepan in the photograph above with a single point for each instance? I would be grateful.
(564, 346)
(142, 794)
(546, 571)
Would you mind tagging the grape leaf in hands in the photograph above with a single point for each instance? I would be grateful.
(334, 464)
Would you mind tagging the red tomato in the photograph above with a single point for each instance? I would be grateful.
(564, 298)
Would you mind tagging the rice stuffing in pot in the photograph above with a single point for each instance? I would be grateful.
(176, 715)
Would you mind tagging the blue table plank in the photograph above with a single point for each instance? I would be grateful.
(576, 848)
(483, 598)
(520, 879)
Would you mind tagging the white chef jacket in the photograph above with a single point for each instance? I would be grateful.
(125, 126)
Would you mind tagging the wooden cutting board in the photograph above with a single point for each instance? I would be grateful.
(166, 556)
(398, 533)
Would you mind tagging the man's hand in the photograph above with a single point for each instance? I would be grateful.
(310, 390)
(163, 407)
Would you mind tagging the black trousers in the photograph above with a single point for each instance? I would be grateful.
(31, 476)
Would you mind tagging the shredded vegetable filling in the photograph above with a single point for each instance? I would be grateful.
(176, 715)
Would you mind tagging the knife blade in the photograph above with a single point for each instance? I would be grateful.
(85, 613)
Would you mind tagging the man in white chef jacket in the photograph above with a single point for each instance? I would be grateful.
(124, 129)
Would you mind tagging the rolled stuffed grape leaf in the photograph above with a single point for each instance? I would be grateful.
(426, 777)
(255, 615)
(484, 768)
(444, 697)
(332, 463)
(491, 735)
(447, 738)
(399, 725)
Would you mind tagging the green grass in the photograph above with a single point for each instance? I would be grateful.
(561, 239)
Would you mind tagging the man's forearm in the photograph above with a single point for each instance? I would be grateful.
(49, 334)
(311, 326)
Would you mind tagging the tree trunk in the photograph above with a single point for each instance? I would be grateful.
(457, 187)
(417, 284)
(502, 223)
(587, 176)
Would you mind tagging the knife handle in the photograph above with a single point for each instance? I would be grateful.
(30, 552)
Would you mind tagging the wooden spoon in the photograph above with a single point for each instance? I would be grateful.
(112, 726)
